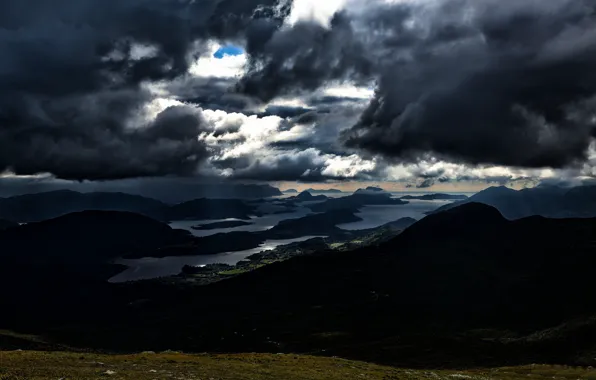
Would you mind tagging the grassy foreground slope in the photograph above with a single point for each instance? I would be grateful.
(56, 365)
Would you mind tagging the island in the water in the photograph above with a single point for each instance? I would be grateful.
(305, 196)
(224, 224)
(356, 201)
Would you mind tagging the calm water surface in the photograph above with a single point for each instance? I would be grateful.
(149, 267)
(258, 223)
(373, 216)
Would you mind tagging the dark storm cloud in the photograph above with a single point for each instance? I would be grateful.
(76, 148)
(474, 81)
(307, 118)
(210, 93)
(305, 57)
(331, 101)
(321, 129)
(71, 74)
(284, 111)
(288, 165)
(510, 85)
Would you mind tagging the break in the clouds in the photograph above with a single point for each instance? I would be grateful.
(418, 91)
(73, 77)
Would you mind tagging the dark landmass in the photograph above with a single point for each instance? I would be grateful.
(205, 269)
(217, 225)
(548, 201)
(323, 224)
(4, 224)
(356, 201)
(434, 197)
(206, 245)
(209, 274)
(372, 236)
(371, 190)
(339, 241)
(211, 209)
(290, 191)
(83, 243)
(461, 288)
(167, 190)
(42, 206)
(305, 196)
(324, 191)
(187, 192)
(401, 224)
(317, 224)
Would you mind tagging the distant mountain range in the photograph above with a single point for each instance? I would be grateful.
(306, 196)
(371, 190)
(47, 205)
(42, 206)
(551, 202)
(167, 190)
(356, 201)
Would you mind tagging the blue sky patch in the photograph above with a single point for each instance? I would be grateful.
(228, 50)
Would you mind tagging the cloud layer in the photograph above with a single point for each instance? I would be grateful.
(475, 81)
(423, 92)
(72, 78)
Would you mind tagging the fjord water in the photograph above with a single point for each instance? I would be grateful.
(149, 267)
(376, 215)
(372, 217)
(262, 223)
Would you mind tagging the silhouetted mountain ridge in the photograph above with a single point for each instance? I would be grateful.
(548, 201)
(81, 241)
(356, 201)
(42, 206)
(306, 196)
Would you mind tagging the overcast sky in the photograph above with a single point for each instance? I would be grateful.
(422, 94)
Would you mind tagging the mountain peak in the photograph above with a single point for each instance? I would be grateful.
(469, 217)
(304, 195)
(498, 190)
(371, 191)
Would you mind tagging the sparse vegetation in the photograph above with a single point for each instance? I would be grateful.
(34, 365)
